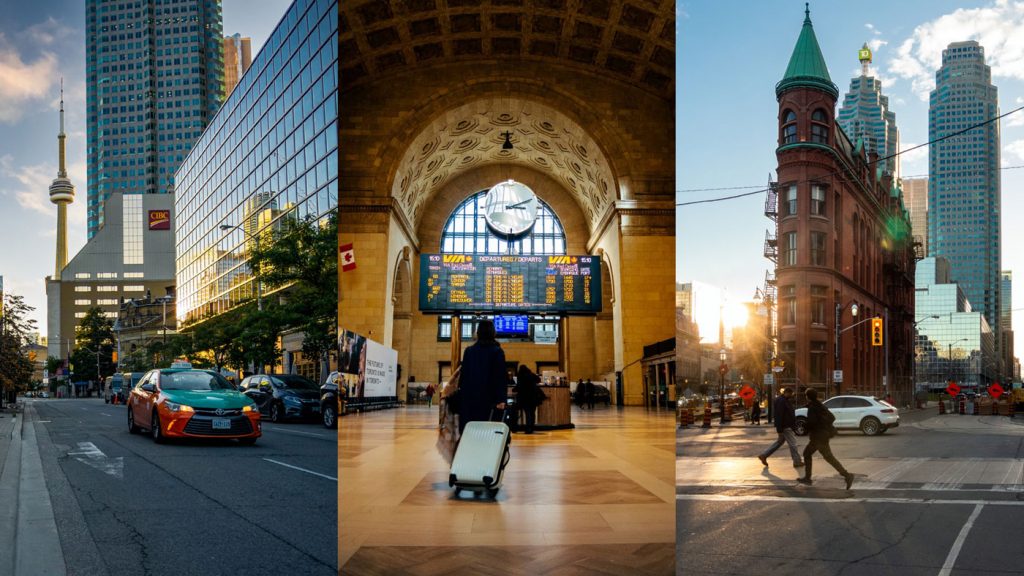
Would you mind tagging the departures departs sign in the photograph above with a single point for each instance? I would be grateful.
(952, 389)
(995, 390)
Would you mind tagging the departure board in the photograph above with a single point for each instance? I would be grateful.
(503, 284)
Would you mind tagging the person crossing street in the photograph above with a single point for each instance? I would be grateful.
(785, 419)
(820, 429)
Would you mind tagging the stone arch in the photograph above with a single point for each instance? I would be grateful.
(402, 290)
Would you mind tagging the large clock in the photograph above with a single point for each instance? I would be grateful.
(510, 208)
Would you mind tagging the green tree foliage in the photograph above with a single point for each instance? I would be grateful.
(95, 336)
(302, 256)
(15, 327)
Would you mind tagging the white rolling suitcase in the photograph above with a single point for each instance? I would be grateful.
(481, 457)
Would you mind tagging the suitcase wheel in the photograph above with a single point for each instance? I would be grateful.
(493, 492)
(452, 480)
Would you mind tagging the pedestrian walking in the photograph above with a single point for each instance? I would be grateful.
(430, 394)
(482, 383)
(820, 429)
(755, 412)
(785, 419)
(528, 396)
(581, 394)
(590, 394)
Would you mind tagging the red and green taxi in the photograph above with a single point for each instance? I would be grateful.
(182, 402)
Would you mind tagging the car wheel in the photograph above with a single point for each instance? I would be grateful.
(799, 428)
(132, 428)
(247, 441)
(275, 413)
(870, 426)
(329, 416)
(155, 431)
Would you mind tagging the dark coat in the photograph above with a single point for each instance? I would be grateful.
(528, 394)
(482, 383)
(785, 415)
(819, 421)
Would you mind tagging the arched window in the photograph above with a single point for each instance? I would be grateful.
(819, 127)
(467, 232)
(788, 127)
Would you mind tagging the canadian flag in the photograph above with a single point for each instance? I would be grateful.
(348, 257)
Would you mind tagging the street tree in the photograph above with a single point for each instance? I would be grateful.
(301, 261)
(94, 347)
(15, 328)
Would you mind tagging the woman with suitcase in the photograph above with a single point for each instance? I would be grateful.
(482, 383)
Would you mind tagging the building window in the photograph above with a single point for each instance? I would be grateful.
(111, 315)
(818, 304)
(82, 276)
(790, 259)
(788, 127)
(83, 288)
(106, 275)
(106, 288)
(132, 229)
(818, 248)
(817, 200)
(817, 362)
(134, 275)
(106, 302)
(789, 305)
(134, 288)
(83, 302)
(787, 353)
(79, 315)
(819, 127)
(791, 200)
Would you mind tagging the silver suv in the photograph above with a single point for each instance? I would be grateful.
(869, 415)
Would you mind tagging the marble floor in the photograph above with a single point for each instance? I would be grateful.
(599, 499)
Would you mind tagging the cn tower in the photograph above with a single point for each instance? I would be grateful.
(62, 193)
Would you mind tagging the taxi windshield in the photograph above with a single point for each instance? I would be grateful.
(197, 380)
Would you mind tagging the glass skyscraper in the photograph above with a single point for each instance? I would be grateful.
(865, 116)
(964, 199)
(154, 75)
(269, 153)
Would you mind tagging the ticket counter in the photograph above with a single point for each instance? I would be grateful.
(555, 413)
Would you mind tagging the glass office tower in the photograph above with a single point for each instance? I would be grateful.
(964, 200)
(154, 73)
(953, 342)
(269, 153)
(865, 116)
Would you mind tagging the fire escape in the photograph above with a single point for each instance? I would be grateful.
(769, 291)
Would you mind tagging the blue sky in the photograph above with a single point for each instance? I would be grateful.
(732, 52)
(39, 42)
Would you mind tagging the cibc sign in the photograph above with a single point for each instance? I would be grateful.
(159, 219)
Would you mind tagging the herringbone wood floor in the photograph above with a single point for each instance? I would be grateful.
(595, 500)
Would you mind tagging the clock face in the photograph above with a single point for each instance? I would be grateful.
(510, 208)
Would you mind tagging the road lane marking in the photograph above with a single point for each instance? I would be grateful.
(276, 429)
(954, 552)
(761, 498)
(317, 473)
(92, 456)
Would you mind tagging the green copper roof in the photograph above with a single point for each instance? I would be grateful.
(807, 67)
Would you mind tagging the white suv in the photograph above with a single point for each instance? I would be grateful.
(869, 415)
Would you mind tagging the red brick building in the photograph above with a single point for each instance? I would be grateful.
(842, 241)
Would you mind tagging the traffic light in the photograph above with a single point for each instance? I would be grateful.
(876, 331)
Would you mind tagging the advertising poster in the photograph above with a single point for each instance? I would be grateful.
(368, 369)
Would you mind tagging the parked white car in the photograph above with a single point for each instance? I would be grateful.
(869, 415)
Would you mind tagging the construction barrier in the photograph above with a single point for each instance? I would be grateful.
(942, 406)
(1012, 403)
(977, 408)
(707, 416)
(963, 407)
(728, 411)
(995, 407)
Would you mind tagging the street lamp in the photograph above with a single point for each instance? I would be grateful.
(256, 239)
(839, 316)
(722, 369)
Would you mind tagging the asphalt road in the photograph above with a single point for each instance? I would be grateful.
(937, 496)
(124, 505)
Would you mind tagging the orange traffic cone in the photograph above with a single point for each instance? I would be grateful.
(707, 416)
(682, 418)
(977, 408)
(942, 406)
(963, 407)
(728, 412)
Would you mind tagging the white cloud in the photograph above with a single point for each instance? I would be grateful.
(1014, 120)
(876, 43)
(996, 27)
(915, 161)
(22, 82)
(47, 32)
(1013, 153)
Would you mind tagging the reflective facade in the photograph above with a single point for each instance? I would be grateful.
(269, 153)
(865, 117)
(964, 199)
(154, 75)
(953, 342)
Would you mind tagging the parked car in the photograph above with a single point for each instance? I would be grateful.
(129, 380)
(869, 415)
(113, 388)
(183, 402)
(330, 400)
(283, 396)
(602, 394)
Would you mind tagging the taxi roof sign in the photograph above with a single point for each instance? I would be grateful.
(182, 364)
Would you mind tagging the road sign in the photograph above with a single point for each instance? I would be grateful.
(747, 393)
(952, 389)
(995, 390)
(769, 379)
(837, 375)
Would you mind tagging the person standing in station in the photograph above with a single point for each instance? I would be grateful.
(528, 396)
(482, 384)
(590, 394)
